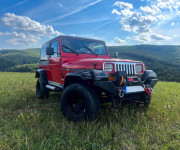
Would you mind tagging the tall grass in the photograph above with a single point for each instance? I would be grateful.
(28, 123)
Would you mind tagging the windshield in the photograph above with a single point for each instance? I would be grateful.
(81, 46)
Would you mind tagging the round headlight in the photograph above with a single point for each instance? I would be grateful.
(139, 68)
(108, 67)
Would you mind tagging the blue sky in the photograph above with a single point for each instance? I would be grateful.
(30, 23)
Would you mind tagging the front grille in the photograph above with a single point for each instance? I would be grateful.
(128, 67)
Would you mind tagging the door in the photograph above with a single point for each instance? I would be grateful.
(55, 63)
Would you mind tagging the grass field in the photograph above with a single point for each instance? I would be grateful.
(28, 123)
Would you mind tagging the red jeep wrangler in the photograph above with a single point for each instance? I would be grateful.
(87, 76)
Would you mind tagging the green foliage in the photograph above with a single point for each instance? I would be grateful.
(14, 58)
(24, 68)
(28, 123)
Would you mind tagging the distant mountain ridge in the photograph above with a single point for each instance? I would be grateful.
(163, 59)
(10, 59)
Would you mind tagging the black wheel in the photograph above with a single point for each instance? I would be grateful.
(79, 102)
(147, 100)
(41, 90)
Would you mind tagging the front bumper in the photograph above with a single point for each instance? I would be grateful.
(110, 88)
(133, 89)
(130, 85)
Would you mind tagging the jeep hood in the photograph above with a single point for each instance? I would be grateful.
(92, 63)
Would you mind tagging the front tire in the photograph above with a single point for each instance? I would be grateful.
(79, 102)
(147, 100)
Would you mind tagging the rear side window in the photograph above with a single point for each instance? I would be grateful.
(55, 45)
(43, 52)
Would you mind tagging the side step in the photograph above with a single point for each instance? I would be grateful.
(53, 88)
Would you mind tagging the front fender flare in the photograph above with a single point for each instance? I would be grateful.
(41, 73)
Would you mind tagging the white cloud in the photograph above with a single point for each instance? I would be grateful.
(133, 20)
(123, 5)
(127, 12)
(165, 4)
(142, 20)
(23, 39)
(150, 11)
(177, 7)
(25, 30)
(5, 33)
(114, 11)
(161, 17)
(149, 37)
(137, 23)
(24, 23)
(143, 37)
(169, 5)
(155, 36)
(175, 35)
(172, 24)
(118, 40)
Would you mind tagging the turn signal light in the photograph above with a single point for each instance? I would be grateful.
(111, 78)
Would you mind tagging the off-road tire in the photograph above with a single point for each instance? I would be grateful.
(41, 90)
(79, 97)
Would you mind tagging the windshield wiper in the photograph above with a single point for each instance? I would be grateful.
(71, 50)
(91, 50)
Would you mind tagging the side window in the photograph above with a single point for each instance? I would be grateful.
(55, 45)
(43, 52)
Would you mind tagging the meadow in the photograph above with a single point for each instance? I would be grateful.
(29, 123)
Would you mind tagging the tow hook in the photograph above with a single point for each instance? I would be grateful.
(149, 91)
(121, 93)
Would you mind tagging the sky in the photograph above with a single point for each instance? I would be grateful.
(30, 23)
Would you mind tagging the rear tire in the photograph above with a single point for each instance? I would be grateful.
(41, 90)
(79, 102)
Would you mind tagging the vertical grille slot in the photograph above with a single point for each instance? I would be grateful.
(129, 68)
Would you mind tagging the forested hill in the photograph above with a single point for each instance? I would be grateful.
(164, 60)
(19, 60)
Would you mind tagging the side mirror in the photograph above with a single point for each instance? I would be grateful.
(49, 51)
(115, 54)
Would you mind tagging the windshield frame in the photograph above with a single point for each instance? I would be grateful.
(84, 39)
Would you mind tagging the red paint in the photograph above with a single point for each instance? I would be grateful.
(58, 67)
(148, 91)
(130, 79)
